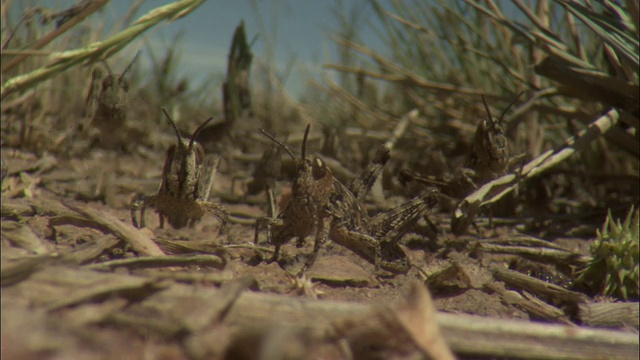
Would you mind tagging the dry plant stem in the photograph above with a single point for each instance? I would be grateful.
(531, 304)
(407, 77)
(523, 282)
(186, 277)
(39, 44)
(189, 246)
(543, 310)
(76, 221)
(400, 129)
(161, 261)
(618, 314)
(587, 83)
(139, 242)
(496, 189)
(105, 291)
(22, 236)
(243, 220)
(357, 103)
(250, 246)
(465, 334)
(538, 253)
(89, 252)
(13, 272)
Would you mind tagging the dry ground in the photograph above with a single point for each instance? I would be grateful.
(458, 275)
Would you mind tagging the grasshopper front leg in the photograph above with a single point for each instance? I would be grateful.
(140, 203)
(268, 223)
(322, 235)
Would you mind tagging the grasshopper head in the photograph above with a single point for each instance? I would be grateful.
(312, 174)
(183, 164)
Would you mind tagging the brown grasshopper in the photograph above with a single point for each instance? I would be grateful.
(376, 239)
(323, 204)
(304, 214)
(488, 158)
(183, 194)
(106, 103)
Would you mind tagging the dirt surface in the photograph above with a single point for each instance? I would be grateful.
(107, 182)
(458, 274)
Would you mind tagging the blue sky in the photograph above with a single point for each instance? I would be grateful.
(297, 32)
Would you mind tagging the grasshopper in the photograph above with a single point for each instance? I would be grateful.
(182, 197)
(488, 158)
(376, 239)
(106, 104)
(304, 214)
(321, 203)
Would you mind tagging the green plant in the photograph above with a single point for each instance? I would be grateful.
(614, 268)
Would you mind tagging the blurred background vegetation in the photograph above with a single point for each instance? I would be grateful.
(574, 61)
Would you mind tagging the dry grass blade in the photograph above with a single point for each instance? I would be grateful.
(89, 8)
(524, 282)
(102, 49)
(146, 262)
(408, 77)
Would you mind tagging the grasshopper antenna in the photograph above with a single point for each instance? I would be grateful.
(173, 124)
(510, 105)
(285, 147)
(304, 141)
(486, 107)
(135, 58)
(197, 131)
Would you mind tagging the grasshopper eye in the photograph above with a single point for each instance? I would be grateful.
(318, 168)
